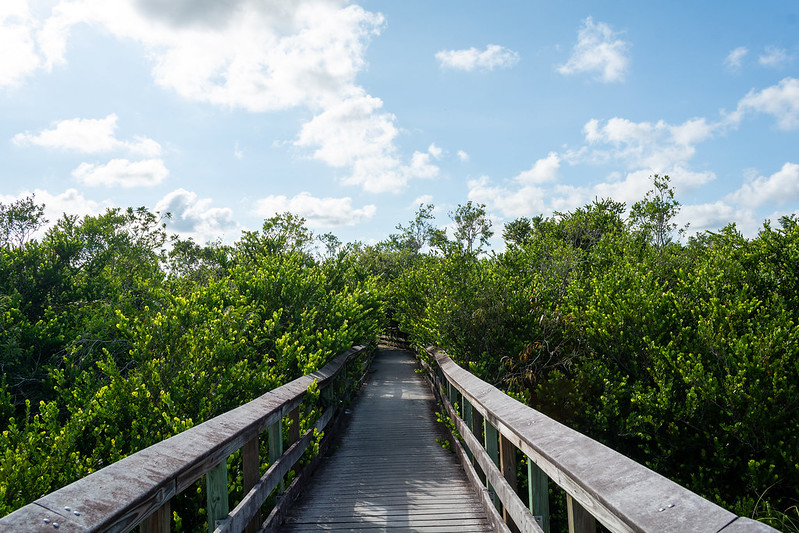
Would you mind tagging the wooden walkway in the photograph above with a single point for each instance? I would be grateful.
(390, 474)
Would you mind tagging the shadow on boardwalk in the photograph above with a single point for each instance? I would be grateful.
(389, 472)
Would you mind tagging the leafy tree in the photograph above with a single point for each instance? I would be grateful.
(283, 234)
(654, 216)
(519, 231)
(419, 231)
(331, 243)
(19, 220)
(472, 227)
(188, 260)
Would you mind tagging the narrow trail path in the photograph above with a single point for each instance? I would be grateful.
(390, 474)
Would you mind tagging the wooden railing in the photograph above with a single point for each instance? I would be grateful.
(601, 484)
(137, 489)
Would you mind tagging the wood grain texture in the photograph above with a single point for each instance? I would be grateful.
(389, 471)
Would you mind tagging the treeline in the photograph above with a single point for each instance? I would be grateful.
(681, 354)
(114, 336)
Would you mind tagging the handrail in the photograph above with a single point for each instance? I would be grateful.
(600, 483)
(136, 490)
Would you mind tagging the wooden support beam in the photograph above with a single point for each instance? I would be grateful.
(217, 505)
(507, 465)
(580, 521)
(492, 447)
(477, 431)
(251, 465)
(276, 446)
(158, 522)
(538, 493)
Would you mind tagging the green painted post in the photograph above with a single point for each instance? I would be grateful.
(492, 447)
(276, 446)
(467, 418)
(216, 495)
(477, 431)
(538, 493)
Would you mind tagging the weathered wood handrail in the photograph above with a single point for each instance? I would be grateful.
(136, 490)
(600, 483)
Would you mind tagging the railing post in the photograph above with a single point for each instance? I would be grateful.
(217, 506)
(294, 428)
(580, 521)
(538, 493)
(158, 522)
(251, 473)
(477, 431)
(507, 461)
(467, 418)
(491, 445)
(276, 446)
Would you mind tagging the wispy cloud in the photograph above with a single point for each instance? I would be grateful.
(734, 59)
(471, 59)
(598, 50)
(122, 173)
(774, 57)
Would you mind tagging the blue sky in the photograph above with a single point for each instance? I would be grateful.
(352, 114)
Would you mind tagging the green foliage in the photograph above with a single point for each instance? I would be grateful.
(19, 220)
(109, 343)
(472, 227)
(681, 356)
(419, 231)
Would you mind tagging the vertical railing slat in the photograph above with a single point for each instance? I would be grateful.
(251, 466)
(538, 492)
(276, 446)
(217, 506)
(580, 520)
(158, 522)
(492, 447)
(507, 465)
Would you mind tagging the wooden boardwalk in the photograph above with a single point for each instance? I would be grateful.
(390, 473)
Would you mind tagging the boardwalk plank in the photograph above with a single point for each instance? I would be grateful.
(390, 473)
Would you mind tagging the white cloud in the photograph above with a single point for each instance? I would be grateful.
(423, 199)
(435, 151)
(355, 134)
(544, 170)
(598, 50)
(19, 58)
(260, 55)
(522, 202)
(781, 101)
(248, 54)
(123, 173)
(703, 217)
(318, 212)
(734, 59)
(194, 217)
(89, 136)
(780, 188)
(463, 156)
(470, 59)
(773, 57)
(657, 146)
(70, 202)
